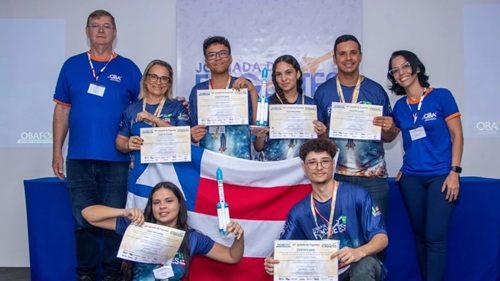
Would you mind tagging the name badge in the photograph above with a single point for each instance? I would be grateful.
(95, 89)
(163, 272)
(417, 133)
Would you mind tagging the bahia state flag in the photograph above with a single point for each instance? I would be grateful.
(259, 195)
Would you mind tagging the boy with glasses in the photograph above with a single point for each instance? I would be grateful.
(339, 211)
(234, 140)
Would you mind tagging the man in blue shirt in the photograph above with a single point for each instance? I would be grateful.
(339, 211)
(361, 162)
(92, 91)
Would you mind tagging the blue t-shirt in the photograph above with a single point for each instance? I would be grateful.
(93, 119)
(356, 219)
(173, 112)
(232, 140)
(431, 155)
(362, 158)
(199, 244)
(282, 149)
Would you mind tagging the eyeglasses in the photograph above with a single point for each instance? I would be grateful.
(96, 26)
(163, 79)
(213, 55)
(325, 164)
(405, 67)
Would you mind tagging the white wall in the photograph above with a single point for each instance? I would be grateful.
(142, 28)
(146, 30)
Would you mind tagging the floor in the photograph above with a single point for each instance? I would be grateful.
(15, 274)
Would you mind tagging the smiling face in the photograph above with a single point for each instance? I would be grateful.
(318, 167)
(157, 81)
(401, 70)
(286, 76)
(218, 64)
(101, 32)
(165, 207)
(347, 57)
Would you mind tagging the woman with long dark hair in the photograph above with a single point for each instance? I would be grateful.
(166, 206)
(287, 81)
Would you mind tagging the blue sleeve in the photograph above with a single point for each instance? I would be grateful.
(448, 103)
(383, 99)
(387, 109)
(124, 128)
(182, 116)
(371, 219)
(199, 243)
(62, 90)
(193, 103)
(322, 112)
(121, 225)
(291, 228)
(137, 76)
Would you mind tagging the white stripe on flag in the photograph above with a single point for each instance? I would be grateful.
(259, 235)
(159, 172)
(252, 173)
(135, 201)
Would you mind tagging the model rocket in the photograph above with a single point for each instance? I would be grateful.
(263, 101)
(222, 206)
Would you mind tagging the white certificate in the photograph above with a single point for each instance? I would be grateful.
(354, 121)
(223, 107)
(306, 260)
(166, 144)
(150, 243)
(292, 121)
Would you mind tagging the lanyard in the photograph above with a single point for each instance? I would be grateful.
(355, 93)
(158, 109)
(303, 99)
(314, 210)
(210, 85)
(415, 115)
(96, 76)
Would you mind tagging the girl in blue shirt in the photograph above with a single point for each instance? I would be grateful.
(166, 206)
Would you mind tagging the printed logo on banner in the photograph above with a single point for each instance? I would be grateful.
(311, 76)
(256, 44)
(35, 137)
(487, 127)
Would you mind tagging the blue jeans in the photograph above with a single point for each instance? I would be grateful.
(377, 187)
(430, 215)
(92, 182)
(366, 269)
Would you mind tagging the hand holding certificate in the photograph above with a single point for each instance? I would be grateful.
(150, 243)
(166, 144)
(305, 259)
(354, 121)
(292, 121)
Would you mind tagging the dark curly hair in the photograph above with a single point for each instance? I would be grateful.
(318, 145)
(215, 40)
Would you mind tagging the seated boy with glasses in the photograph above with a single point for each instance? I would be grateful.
(339, 211)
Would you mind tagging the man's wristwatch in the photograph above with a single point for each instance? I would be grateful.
(456, 169)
